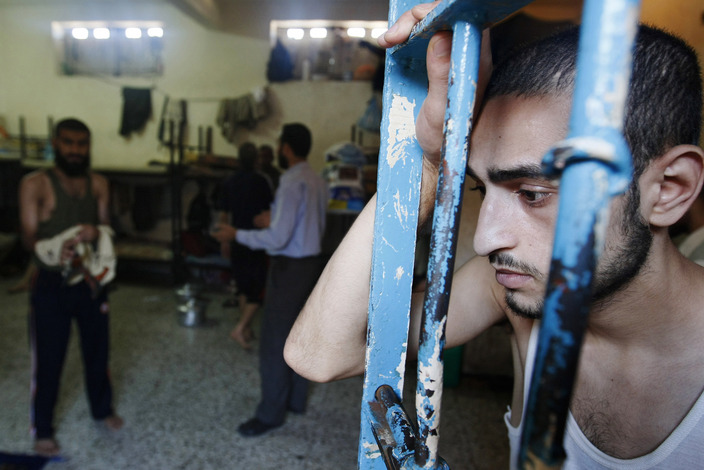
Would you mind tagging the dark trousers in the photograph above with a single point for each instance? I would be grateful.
(53, 306)
(289, 283)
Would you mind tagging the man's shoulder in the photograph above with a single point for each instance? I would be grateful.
(37, 175)
(35, 180)
(98, 180)
(98, 177)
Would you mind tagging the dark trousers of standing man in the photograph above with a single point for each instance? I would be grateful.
(53, 306)
(289, 283)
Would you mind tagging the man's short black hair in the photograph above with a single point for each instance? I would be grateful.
(247, 155)
(664, 104)
(298, 137)
(266, 152)
(71, 124)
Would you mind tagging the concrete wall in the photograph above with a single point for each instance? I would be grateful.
(201, 65)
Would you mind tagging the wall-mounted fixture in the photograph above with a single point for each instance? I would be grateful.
(116, 48)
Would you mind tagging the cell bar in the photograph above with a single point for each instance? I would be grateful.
(596, 165)
(466, 44)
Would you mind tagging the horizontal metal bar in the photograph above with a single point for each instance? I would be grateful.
(481, 13)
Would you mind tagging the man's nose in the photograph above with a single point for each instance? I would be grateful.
(77, 149)
(493, 232)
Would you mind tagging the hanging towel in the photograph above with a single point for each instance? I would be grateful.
(244, 111)
(136, 109)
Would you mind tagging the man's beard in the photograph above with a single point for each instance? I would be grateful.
(621, 262)
(72, 169)
(283, 163)
(626, 258)
(527, 311)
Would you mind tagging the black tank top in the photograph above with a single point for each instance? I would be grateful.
(68, 211)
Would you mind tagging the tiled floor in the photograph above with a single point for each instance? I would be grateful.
(183, 391)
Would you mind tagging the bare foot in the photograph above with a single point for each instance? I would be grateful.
(241, 338)
(113, 422)
(249, 334)
(47, 447)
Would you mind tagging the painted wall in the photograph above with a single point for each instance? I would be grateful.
(201, 66)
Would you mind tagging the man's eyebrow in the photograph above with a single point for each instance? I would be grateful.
(501, 175)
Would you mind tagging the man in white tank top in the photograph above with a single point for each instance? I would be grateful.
(637, 401)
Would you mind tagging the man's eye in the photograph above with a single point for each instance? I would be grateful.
(481, 189)
(533, 196)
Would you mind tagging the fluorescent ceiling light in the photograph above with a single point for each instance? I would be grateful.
(318, 33)
(295, 33)
(133, 33)
(155, 32)
(101, 33)
(376, 32)
(356, 32)
(79, 33)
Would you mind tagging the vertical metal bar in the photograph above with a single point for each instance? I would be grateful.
(398, 192)
(597, 166)
(466, 43)
(23, 139)
(209, 140)
(179, 266)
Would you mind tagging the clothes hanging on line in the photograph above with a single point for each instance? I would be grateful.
(175, 111)
(245, 111)
(136, 109)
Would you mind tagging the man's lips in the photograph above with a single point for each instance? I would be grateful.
(511, 279)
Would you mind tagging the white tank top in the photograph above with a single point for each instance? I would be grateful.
(682, 450)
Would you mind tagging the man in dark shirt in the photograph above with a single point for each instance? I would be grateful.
(245, 195)
(265, 164)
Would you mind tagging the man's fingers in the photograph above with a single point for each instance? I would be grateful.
(432, 114)
(438, 61)
(401, 29)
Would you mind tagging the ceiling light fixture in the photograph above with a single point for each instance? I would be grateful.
(295, 33)
(79, 33)
(133, 33)
(101, 33)
(318, 33)
(356, 32)
(155, 32)
(376, 32)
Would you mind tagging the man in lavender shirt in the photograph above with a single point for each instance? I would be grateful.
(292, 235)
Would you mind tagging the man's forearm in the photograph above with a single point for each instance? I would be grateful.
(329, 338)
(327, 341)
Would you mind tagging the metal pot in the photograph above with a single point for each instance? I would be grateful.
(187, 292)
(192, 313)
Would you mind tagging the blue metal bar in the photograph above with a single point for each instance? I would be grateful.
(398, 192)
(596, 165)
(466, 44)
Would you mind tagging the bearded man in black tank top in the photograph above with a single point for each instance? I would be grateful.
(67, 198)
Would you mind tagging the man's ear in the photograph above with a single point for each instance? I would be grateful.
(671, 183)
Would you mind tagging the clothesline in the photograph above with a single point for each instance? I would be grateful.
(158, 90)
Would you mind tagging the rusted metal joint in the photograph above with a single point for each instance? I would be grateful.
(613, 152)
(395, 433)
